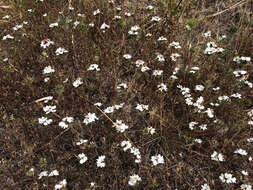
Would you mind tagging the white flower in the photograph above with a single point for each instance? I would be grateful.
(162, 38)
(174, 44)
(199, 87)
(144, 69)
(89, 118)
(46, 79)
(8, 36)
(148, 35)
(122, 85)
(203, 127)
(139, 63)
(46, 43)
(93, 67)
(83, 158)
(238, 73)
(151, 130)
(198, 141)
(53, 173)
(82, 141)
(241, 151)
(63, 125)
(217, 157)
(209, 112)
(76, 23)
(246, 187)
(68, 119)
(149, 7)
(126, 144)
(109, 109)
(53, 25)
(212, 48)
(174, 56)
(15, 28)
(117, 17)
(205, 187)
(192, 124)
(43, 174)
(100, 161)
(77, 82)
(162, 87)
(99, 104)
(207, 34)
(127, 56)
(91, 24)
(236, 95)
(48, 70)
(128, 14)
(160, 58)
(6, 17)
(156, 18)
(216, 89)
(157, 159)
(120, 126)
(62, 184)
(134, 179)
(60, 51)
(250, 140)
(227, 178)
(49, 109)
(104, 26)
(245, 173)
(96, 12)
(141, 107)
(157, 72)
(45, 121)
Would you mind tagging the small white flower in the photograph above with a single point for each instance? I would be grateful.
(53, 173)
(162, 38)
(139, 63)
(60, 51)
(100, 161)
(156, 18)
(53, 25)
(8, 36)
(162, 87)
(68, 119)
(45, 121)
(227, 178)
(93, 67)
(174, 44)
(151, 130)
(217, 157)
(89, 118)
(149, 7)
(109, 109)
(250, 140)
(141, 107)
(120, 126)
(210, 112)
(46, 79)
(126, 144)
(157, 159)
(91, 24)
(144, 69)
(207, 34)
(246, 187)
(199, 87)
(128, 14)
(122, 85)
(205, 187)
(82, 141)
(83, 158)
(236, 95)
(104, 26)
(77, 82)
(160, 58)
(157, 72)
(6, 17)
(117, 17)
(134, 179)
(245, 173)
(192, 124)
(174, 56)
(46, 43)
(62, 184)
(96, 12)
(48, 70)
(127, 56)
(63, 125)
(43, 174)
(99, 104)
(198, 141)
(49, 109)
(148, 35)
(241, 152)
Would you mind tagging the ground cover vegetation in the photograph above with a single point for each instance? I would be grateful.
(109, 94)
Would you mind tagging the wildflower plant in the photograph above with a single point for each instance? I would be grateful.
(126, 95)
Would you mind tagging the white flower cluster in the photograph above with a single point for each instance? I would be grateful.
(111, 109)
(89, 118)
(157, 72)
(175, 71)
(127, 145)
(174, 56)
(49, 109)
(134, 179)
(8, 36)
(100, 161)
(241, 152)
(83, 158)
(162, 38)
(227, 178)
(45, 121)
(175, 45)
(142, 107)
(134, 30)
(193, 124)
(217, 157)
(46, 43)
(64, 123)
(77, 82)
(45, 174)
(157, 159)
(194, 69)
(162, 87)
(48, 70)
(212, 48)
(93, 67)
(238, 59)
(61, 184)
(155, 18)
(150, 130)
(250, 114)
(246, 187)
(127, 56)
(205, 187)
(60, 51)
(160, 57)
(120, 126)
